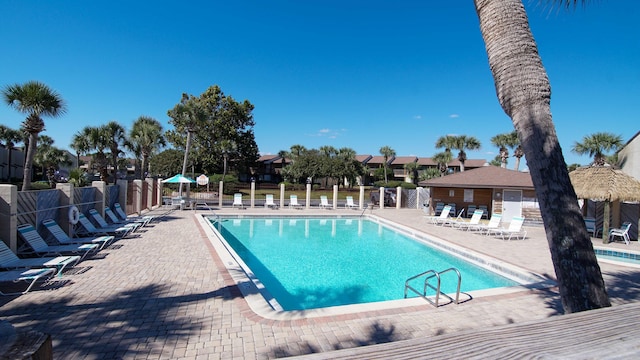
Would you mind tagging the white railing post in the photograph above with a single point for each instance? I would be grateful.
(381, 197)
(220, 192)
(282, 195)
(398, 197)
(335, 197)
(253, 194)
(361, 202)
(308, 202)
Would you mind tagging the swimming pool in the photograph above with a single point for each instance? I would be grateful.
(309, 263)
(619, 257)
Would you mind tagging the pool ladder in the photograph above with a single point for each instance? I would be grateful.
(429, 275)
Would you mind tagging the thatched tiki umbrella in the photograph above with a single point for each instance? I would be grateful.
(603, 183)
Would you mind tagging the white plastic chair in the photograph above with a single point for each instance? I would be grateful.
(293, 202)
(350, 204)
(237, 200)
(622, 232)
(324, 202)
(269, 202)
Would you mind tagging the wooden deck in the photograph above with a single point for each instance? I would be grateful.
(611, 333)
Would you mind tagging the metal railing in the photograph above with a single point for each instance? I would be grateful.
(429, 275)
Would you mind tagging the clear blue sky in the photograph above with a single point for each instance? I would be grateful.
(361, 74)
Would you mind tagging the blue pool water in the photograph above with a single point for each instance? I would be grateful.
(314, 263)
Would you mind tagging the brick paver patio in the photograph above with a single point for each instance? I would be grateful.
(165, 294)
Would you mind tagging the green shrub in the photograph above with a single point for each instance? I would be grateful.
(394, 184)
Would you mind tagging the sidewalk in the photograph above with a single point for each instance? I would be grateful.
(166, 295)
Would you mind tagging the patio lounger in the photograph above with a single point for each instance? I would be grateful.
(115, 220)
(350, 204)
(515, 228)
(590, 223)
(622, 232)
(293, 202)
(475, 220)
(269, 202)
(444, 214)
(89, 229)
(122, 215)
(452, 222)
(494, 223)
(237, 200)
(33, 239)
(324, 202)
(29, 275)
(64, 239)
(103, 224)
(11, 261)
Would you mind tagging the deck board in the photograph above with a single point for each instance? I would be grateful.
(611, 333)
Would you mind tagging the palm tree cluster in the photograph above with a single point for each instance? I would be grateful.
(107, 143)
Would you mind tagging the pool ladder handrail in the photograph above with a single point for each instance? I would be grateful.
(435, 274)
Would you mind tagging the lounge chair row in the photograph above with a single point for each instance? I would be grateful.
(48, 260)
(293, 202)
(492, 228)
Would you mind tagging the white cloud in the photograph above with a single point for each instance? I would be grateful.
(418, 117)
(454, 116)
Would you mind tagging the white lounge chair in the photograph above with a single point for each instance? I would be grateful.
(494, 223)
(453, 221)
(475, 220)
(324, 202)
(293, 202)
(622, 232)
(30, 276)
(349, 204)
(444, 214)
(89, 229)
(111, 216)
(122, 215)
(113, 228)
(237, 200)
(37, 244)
(515, 228)
(64, 239)
(269, 202)
(11, 261)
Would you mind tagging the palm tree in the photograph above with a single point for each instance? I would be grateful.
(460, 143)
(98, 142)
(596, 145)
(504, 142)
(117, 138)
(443, 159)
(387, 152)
(80, 143)
(36, 100)
(146, 137)
(524, 92)
(296, 151)
(412, 168)
(10, 137)
(49, 158)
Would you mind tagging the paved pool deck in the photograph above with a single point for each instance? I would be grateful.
(166, 294)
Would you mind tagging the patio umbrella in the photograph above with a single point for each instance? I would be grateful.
(603, 183)
(178, 179)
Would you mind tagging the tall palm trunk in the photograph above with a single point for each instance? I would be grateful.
(524, 93)
(28, 162)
